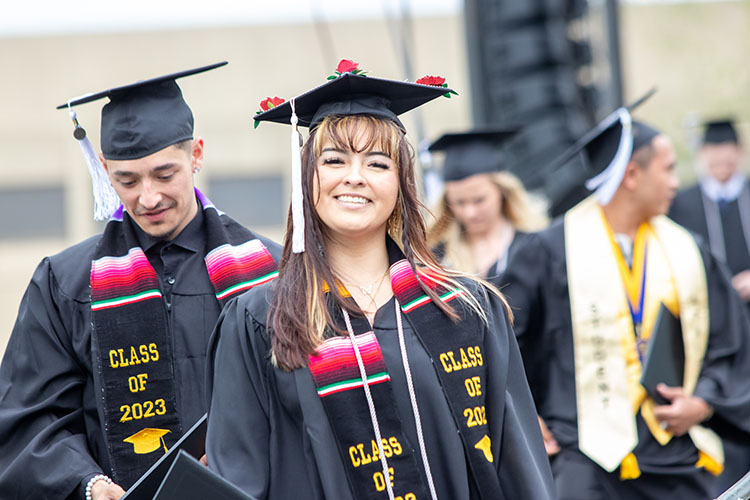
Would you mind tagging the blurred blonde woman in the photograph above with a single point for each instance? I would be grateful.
(484, 210)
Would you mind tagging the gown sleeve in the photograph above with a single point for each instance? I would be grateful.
(521, 461)
(522, 284)
(238, 437)
(45, 451)
(726, 366)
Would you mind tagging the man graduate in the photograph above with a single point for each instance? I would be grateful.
(718, 209)
(718, 206)
(586, 293)
(105, 365)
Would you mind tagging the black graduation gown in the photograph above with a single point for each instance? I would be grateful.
(688, 211)
(51, 435)
(535, 283)
(269, 434)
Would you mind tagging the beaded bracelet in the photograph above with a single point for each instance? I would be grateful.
(90, 484)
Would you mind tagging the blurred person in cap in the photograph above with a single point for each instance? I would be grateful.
(326, 374)
(105, 366)
(485, 209)
(586, 293)
(718, 206)
(718, 209)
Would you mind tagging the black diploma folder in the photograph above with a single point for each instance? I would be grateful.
(188, 479)
(665, 357)
(192, 442)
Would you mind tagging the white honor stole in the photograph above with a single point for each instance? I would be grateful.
(607, 366)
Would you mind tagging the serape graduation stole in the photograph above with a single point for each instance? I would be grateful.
(667, 268)
(457, 353)
(131, 340)
(337, 378)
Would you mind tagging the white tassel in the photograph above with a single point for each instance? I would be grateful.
(105, 197)
(608, 181)
(298, 211)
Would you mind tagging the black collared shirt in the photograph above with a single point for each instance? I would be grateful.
(167, 257)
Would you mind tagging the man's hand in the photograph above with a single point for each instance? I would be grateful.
(204, 460)
(550, 443)
(741, 283)
(101, 490)
(683, 412)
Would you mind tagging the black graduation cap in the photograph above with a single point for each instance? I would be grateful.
(347, 94)
(144, 117)
(473, 152)
(140, 119)
(607, 148)
(720, 131)
(351, 94)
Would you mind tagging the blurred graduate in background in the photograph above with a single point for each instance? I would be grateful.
(484, 208)
(718, 209)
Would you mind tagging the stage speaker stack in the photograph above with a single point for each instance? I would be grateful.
(530, 63)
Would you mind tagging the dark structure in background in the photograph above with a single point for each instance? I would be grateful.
(532, 66)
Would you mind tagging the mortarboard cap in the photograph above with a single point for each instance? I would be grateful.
(144, 117)
(140, 119)
(147, 440)
(354, 94)
(348, 93)
(720, 131)
(470, 153)
(608, 147)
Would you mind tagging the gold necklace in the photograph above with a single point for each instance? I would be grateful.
(368, 290)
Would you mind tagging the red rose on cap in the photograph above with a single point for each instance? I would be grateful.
(266, 104)
(270, 102)
(435, 81)
(347, 66)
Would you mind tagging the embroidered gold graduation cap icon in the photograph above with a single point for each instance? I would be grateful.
(485, 444)
(147, 440)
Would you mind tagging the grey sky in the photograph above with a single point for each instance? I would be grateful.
(55, 17)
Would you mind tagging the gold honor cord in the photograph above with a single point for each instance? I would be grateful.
(605, 347)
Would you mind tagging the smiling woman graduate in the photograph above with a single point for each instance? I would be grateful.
(366, 370)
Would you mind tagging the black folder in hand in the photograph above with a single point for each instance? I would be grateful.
(189, 479)
(192, 442)
(665, 357)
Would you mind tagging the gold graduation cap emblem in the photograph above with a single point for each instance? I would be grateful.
(485, 445)
(147, 440)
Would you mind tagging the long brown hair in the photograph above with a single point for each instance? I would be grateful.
(299, 312)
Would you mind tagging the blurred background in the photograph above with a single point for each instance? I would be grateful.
(553, 66)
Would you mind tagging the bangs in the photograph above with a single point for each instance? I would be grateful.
(359, 134)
